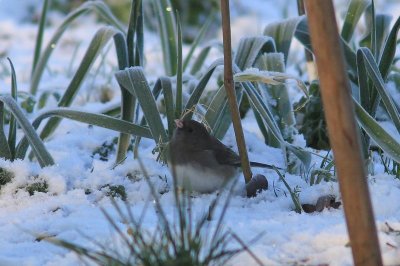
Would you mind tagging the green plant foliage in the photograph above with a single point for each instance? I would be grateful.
(98, 7)
(5, 176)
(40, 186)
(355, 10)
(167, 29)
(135, 82)
(282, 32)
(182, 241)
(115, 191)
(105, 149)
(311, 119)
(101, 38)
(368, 69)
(194, 14)
(294, 193)
(43, 156)
(39, 38)
(88, 118)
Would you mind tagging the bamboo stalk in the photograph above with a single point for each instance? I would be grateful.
(343, 133)
(230, 91)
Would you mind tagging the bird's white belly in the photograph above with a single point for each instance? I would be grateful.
(198, 179)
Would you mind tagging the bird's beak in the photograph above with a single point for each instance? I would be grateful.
(178, 123)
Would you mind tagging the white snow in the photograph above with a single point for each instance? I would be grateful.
(68, 212)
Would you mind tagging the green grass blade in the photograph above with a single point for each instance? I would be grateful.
(366, 59)
(96, 120)
(5, 152)
(389, 51)
(353, 14)
(97, 6)
(128, 101)
(39, 38)
(282, 108)
(259, 106)
(101, 38)
(169, 104)
(215, 114)
(130, 36)
(167, 31)
(303, 155)
(364, 88)
(166, 87)
(198, 91)
(376, 132)
(373, 29)
(43, 156)
(88, 118)
(224, 120)
(198, 39)
(295, 198)
(135, 29)
(201, 58)
(139, 47)
(382, 31)
(12, 133)
(250, 48)
(135, 82)
(179, 70)
(282, 32)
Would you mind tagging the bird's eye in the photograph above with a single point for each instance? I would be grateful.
(190, 130)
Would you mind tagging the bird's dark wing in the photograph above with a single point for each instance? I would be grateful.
(223, 154)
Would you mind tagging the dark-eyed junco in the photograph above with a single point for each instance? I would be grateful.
(200, 161)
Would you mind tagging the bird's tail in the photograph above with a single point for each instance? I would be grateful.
(263, 165)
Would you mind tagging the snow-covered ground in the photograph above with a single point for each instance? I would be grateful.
(67, 211)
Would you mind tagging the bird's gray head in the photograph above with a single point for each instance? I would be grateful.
(192, 133)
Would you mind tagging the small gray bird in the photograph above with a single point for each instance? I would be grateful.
(200, 161)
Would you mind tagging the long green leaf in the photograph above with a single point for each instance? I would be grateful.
(366, 59)
(165, 85)
(97, 6)
(353, 14)
(259, 106)
(295, 198)
(43, 156)
(382, 30)
(378, 26)
(216, 110)
(5, 152)
(135, 28)
(389, 51)
(88, 118)
(198, 91)
(201, 58)
(167, 31)
(135, 82)
(101, 38)
(250, 48)
(139, 47)
(381, 137)
(198, 39)
(275, 89)
(128, 101)
(39, 37)
(12, 133)
(179, 69)
(96, 120)
(282, 32)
